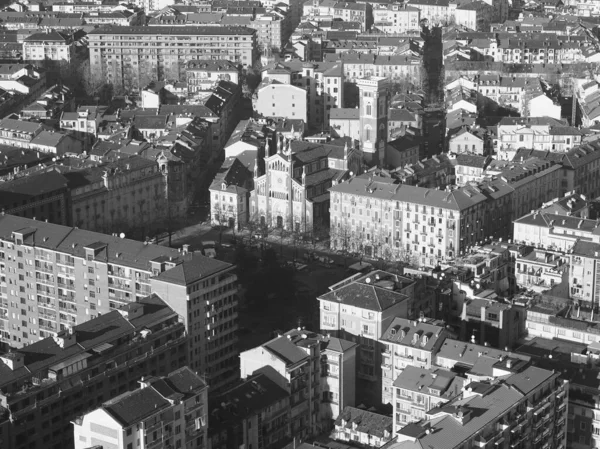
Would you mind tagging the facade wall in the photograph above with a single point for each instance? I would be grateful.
(282, 100)
(131, 58)
(47, 424)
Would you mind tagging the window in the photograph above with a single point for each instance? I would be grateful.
(367, 133)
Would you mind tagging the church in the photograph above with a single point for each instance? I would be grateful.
(291, 188)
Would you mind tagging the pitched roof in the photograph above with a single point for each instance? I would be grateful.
(458, 199)
(369, 293)
(366, 422)
(135, 406)
(193, 270)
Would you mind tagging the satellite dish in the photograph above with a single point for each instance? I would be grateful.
(122, 235)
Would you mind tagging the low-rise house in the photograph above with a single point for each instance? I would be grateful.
(362, 427)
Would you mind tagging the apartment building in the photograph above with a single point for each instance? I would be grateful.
(39, 195)
(537, 133)
(435, 11)
(528, 408)
(362, 427)
(48, 384)
(324, 10)
(584, 271)
(358, 65)
(132, 57)
(254, 413)
(580, 167)
(408, 343)
(164, 411)
(121, 196)
(396, 18)
(386, 219)
(353, 309)
(295, 361)
(540, 269)
(36, 136)
(277, 100)
(41, 262)
(322, 81)
(203, 74)
(554, 231)
(230, 191)
(50, 46)
(475, 15)
(85, 121)
(418, 390)
(570, 358)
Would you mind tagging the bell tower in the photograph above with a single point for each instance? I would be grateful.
(373, 98)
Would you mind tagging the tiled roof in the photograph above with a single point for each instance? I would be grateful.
(402, 332)
(370, 296)
(190, 271)
(135, 406)
(366, 422)
(458, 199)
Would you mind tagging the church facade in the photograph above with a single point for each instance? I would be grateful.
(291, 190)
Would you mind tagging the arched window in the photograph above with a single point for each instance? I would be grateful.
(367, 133)
(368, 110)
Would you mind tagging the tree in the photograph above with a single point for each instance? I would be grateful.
(219, 218)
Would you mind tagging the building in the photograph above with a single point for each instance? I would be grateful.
(169, 410)
(435, 11)
(543, 106)
(275, 100)
(584, 267)
(85, 121)
(296, 362)
(427, 224)
(291, 189)
(580, 166)
(358, 426)
(144, 63)
(203, 74)
(113, 272)
(475, 15)
(570, 358)
(107, 198)
(374, 105)
(508, 411)
(408, 343)
(360, 309)
(396, 18)
(230, 192)
(537, 133)
(322, 81)
(467, 141)
(418, 390)
(36, 136)
(50, 46)
(256, 412)
(554, 231)
(41, 196)
(97, 360)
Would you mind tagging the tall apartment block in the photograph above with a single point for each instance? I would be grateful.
(525, 410)
(169, 411)
(46, 385)
(360, 309)
(40, 263)
(131, 57)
